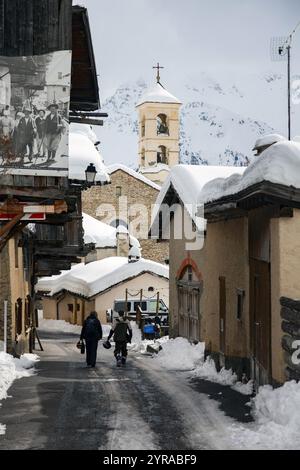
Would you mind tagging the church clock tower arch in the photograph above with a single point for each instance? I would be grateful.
(159, 125)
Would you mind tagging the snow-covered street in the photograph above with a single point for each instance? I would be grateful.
(67, 406)
(149, 405)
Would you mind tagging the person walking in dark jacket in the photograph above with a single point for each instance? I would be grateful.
(91, 332)
(122, 331)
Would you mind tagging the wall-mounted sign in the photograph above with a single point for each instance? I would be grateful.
(34, 114)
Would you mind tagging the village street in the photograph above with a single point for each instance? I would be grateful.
(68, 406)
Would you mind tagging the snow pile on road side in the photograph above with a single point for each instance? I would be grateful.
(277, 419)
(65, 327)
(11, 369)
(140, 346)
(59, 325)
(180, 354)
(208, 371)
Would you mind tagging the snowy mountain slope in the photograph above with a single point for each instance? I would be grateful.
(220, 121)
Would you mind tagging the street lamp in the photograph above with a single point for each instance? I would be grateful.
(90, 173)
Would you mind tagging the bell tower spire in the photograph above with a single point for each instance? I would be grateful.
(159, 123)
(158, 67)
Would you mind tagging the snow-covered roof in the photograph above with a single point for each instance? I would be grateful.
(158, 94)
(103, 235)
(91, 279)
(82, 153)
(268, 139)
(279, 163)
(188, 181)
(119, 166)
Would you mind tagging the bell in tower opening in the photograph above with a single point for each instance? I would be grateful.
(159, 127)
(162, 126)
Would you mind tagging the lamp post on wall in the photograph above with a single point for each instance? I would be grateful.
(90, 174)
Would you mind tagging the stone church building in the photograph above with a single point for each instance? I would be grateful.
(122, 201)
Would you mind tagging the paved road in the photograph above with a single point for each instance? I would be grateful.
(68, 406)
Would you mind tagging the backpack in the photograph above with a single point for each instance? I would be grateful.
(120, 331)
(91, 327)
(149, 329)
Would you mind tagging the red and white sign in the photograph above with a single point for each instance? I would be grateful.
(33, 217)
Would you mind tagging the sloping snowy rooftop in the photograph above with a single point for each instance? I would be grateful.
(82, 153)
(119, 166)
(188, 181)
(268, 139)
(93, 278)
(103, 235)
(158, 94)
(279, 163)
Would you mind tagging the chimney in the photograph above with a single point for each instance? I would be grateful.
(122, 236)
(134, 254)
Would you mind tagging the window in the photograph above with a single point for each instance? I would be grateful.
(115, 223)
(70, 307)
(240, 303)
(143, 127)
(162, 126)
(162, 154)
(143, 157)
(143, 306)
(118, 191)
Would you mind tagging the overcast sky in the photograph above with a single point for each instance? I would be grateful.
(187, 37)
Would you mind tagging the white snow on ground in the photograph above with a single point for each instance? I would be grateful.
(139, 345)
(180, 354)
(59, 326)
(276, 412)
(65, 327)
(277, 420)
(207, 370)
(11, 369)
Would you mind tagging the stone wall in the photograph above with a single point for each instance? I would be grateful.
(5, 295)
(290, 314)
(135, 193)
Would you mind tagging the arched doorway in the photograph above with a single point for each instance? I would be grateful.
(189, 290)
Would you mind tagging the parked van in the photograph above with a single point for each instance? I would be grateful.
(148, 307)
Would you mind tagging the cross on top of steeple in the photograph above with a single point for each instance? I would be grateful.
(158, 67)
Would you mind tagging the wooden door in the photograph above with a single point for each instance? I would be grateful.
(260, 320)
(222, 313)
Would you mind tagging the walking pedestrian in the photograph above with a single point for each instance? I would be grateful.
(122, 332)
(91, 333)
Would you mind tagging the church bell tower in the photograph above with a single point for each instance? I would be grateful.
(159, 123)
